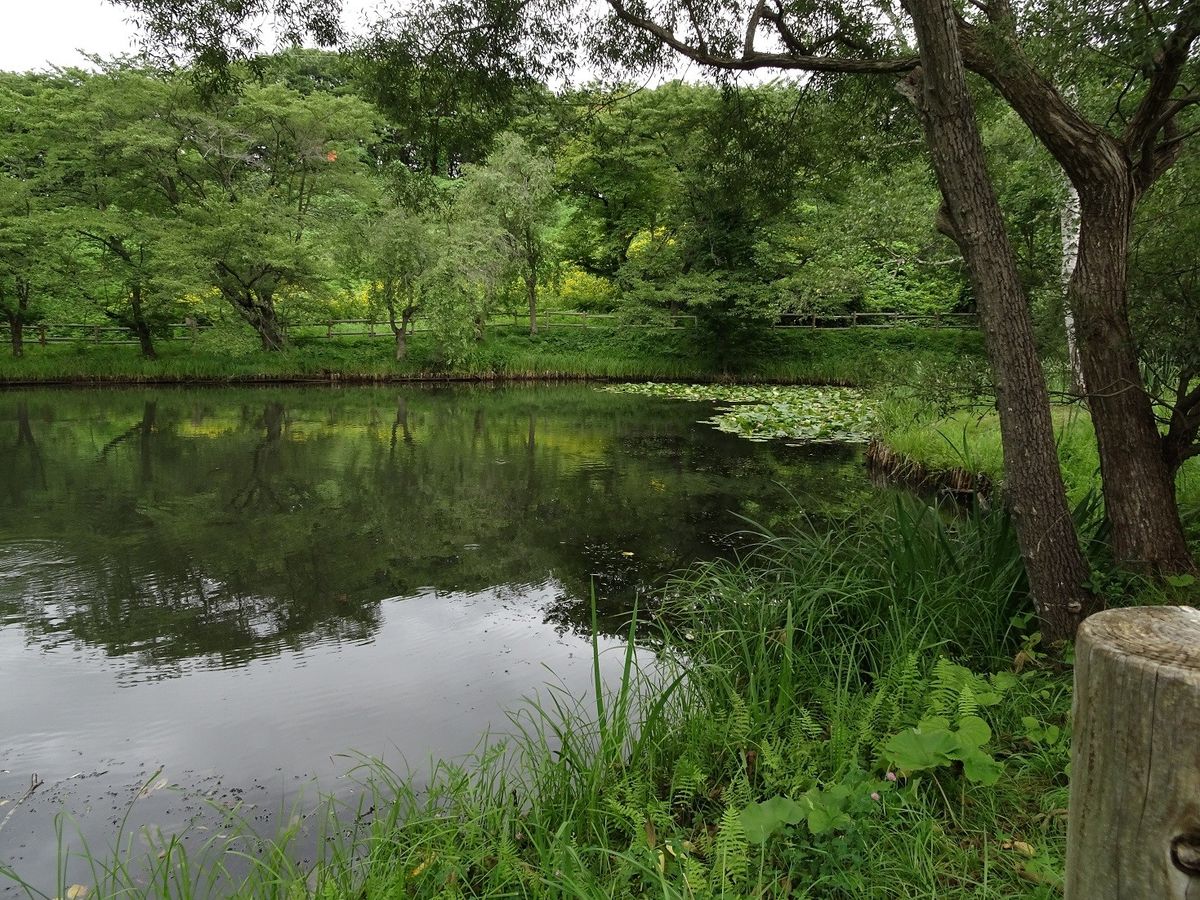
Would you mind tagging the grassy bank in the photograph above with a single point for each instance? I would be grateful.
(922, 440)
(780, 750)
(851, 356)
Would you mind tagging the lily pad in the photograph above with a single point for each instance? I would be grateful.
(774, 412)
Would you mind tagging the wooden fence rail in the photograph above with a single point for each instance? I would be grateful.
(90, 333)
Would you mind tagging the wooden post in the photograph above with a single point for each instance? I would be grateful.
(42, 334)
(1134, 828)
(193, 328)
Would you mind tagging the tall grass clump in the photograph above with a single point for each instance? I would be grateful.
(857, 714)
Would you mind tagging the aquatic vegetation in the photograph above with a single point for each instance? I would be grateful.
(773, 412)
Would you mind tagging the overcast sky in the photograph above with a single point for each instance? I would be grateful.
(37, 33)
(52, 31)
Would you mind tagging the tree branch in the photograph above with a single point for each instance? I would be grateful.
(754, 59)
(1164, 72)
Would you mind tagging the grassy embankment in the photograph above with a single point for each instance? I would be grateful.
(914, 439)
(801, 356)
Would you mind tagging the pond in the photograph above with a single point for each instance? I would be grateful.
(238, 587)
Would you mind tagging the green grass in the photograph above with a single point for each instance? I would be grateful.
(799, 672)
(970, 440)
(855, 356)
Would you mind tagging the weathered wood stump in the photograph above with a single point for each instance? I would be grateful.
(1134, 829)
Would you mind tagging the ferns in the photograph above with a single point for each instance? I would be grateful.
(731, 850)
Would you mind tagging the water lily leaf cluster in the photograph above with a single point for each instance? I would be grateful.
(774, 412)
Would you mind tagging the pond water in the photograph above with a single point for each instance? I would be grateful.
(240, 586)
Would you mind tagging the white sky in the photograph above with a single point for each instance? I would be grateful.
(40, 32)
(35, 34)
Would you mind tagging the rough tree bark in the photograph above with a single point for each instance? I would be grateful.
(972, 216)
(1139, 484)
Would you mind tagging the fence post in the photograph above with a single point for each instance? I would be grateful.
(1134, 826)
(96, 333)
(193, 328)
(42, 334)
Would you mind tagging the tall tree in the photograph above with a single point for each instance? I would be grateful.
(31, 253)
(261, 171)
(971, 215)
(515, 188)
(1110, 170)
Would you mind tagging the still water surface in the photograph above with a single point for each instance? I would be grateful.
(239, 586)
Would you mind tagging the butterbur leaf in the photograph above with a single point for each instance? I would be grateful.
(980, 768)
(761, 820)
(973, 732)
(917, 749)
(819, 820)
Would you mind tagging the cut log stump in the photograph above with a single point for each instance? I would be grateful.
(1134, 829)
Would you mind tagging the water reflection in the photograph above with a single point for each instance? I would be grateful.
(225, 525)
(240, 586)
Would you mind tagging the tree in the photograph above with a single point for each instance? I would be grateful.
(972, 216)
(395, 251)
(1111, 171)
(461, 286)
(261, 172)
(119, 155)
(515, 188)
(31, 257)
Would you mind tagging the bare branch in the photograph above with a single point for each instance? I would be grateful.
(752, 27)
(1164, 72)
(755, 60)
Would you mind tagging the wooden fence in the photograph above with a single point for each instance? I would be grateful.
(89, 333)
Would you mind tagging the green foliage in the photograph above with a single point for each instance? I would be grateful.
(766, 413)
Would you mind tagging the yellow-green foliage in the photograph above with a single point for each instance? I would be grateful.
(578, 289)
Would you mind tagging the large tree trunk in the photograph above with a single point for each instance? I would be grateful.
(140, 327)
(267, 325)
(16, 328)
(1033, 480)
(1139, 488)
(531, 291)
(145, 340)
